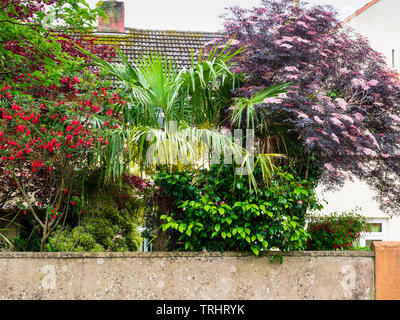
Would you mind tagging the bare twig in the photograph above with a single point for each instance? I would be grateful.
(26, 198)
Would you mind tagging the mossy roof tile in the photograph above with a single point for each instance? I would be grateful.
(176, 45)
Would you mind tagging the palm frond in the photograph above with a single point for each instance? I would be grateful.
(248, 105)
(186, 99)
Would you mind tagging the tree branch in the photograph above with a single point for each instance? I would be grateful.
(26, 198)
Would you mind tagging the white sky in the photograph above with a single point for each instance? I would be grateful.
(201, 15)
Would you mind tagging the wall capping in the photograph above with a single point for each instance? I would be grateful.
(150, 255)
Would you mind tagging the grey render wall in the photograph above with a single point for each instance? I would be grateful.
(205, 276)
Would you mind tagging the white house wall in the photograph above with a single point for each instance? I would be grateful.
(381, 25)
(359, 194)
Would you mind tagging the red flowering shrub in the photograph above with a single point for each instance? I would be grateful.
(55, 117)
(344, 101)
(49, 148)
(335, 232)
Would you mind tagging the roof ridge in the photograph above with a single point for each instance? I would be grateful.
(172, 30)
(162, 30)
(359, 11)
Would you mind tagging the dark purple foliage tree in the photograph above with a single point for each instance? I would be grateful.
(344, 101)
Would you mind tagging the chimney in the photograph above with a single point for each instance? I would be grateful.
(115, 12)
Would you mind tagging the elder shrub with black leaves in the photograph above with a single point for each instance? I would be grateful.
(344, 101)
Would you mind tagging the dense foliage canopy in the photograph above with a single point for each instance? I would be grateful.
(344, 99)
(211, 210)
(55, 114)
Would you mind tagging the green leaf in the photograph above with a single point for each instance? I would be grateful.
(273, 258)
(265, 244)
(165, 226)
(217, 227)
(255, 249)
(181, 228)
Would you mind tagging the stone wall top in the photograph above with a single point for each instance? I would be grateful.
(150, 255)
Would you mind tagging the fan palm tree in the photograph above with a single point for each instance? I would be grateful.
(174, 115)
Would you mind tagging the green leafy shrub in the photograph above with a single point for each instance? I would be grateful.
(76, 239)
(335, 231)
(215, 212)
(105, 228)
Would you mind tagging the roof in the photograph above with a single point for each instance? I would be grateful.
(358, 12)
(176, 45)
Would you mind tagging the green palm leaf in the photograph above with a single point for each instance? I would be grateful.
(186, 99)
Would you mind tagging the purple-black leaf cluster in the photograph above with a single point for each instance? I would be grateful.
(344, 101)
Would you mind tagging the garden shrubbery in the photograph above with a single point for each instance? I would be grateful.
(214, 211)
(335, 231)
(104, 228)
(106, 219)
(67, 141)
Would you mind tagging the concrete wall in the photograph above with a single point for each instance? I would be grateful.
(200, 276)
